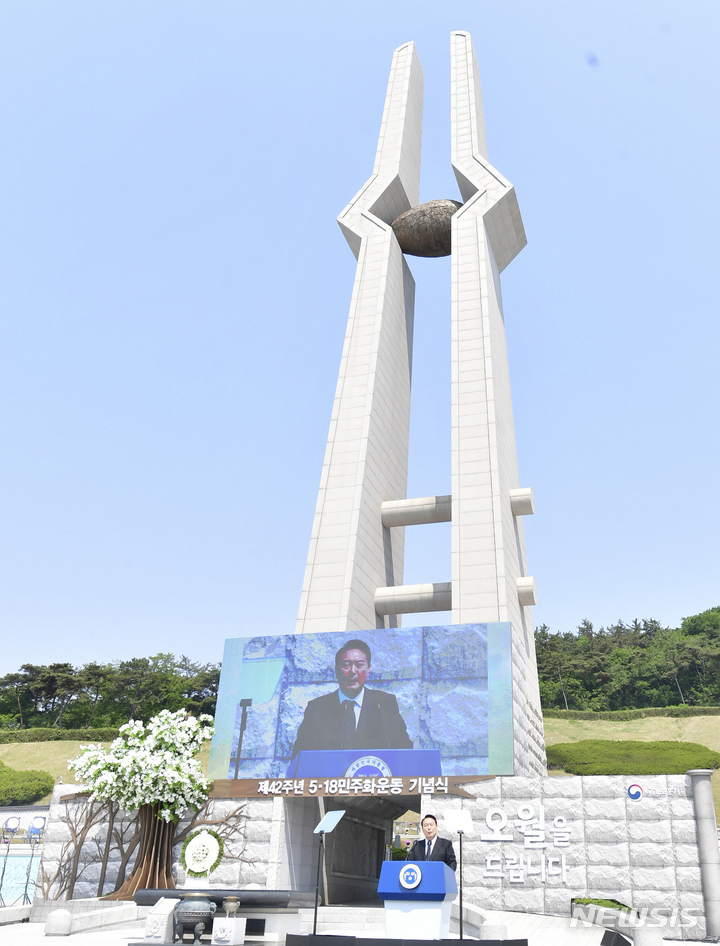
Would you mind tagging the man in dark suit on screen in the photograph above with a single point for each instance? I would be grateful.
(431, 847)
(353, 716)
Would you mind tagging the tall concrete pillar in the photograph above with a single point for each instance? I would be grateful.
(351, 552)
(489, 572)
(707, 838)
(354, 573)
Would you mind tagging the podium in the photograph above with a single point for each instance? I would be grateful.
(418, 898)
(364, 763)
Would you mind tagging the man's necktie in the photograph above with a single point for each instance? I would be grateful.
(427, 850)
(348, 725)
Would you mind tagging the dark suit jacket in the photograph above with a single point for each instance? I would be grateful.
(380, 725)
(442, 851)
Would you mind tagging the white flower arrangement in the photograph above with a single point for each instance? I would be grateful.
(201, 853)
(150, 765)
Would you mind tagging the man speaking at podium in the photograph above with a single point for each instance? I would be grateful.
(353, 716)
(433, 848)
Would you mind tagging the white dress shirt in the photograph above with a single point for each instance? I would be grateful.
(357, 702)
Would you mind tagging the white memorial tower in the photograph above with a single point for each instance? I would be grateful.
(354, 574)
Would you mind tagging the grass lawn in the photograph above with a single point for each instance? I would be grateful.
(702, 729)
(52, 757)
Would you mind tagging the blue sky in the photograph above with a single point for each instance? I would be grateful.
(175, 293)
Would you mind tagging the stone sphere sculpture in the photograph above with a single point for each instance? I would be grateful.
(425, 230)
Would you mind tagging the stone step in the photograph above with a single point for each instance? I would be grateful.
(362, 915)
(345, 919)
(339, 918)
(344, 911)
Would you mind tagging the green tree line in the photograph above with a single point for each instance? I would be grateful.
(631, 666)
(105, 695)
(624, 666)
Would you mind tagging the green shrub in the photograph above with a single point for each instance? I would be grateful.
(55, 735)
(614, 757)
(22, 787)
(610, 904)
(624, 715)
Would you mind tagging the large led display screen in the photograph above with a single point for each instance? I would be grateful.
(423, 703)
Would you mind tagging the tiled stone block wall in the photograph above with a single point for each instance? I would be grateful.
(642, 853)
(67, 818)
(276, 849)
(292, 850)
(249, 860)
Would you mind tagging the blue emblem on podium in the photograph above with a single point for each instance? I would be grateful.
(410, 876)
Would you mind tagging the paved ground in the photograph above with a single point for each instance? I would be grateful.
(538, 930)
(33, 934)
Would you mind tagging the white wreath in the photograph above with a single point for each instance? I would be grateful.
(201, 853)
